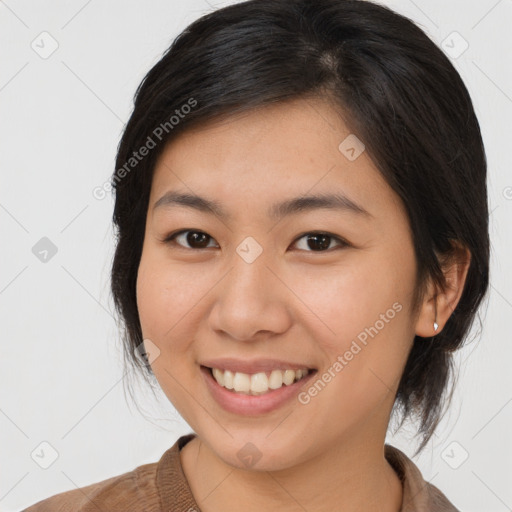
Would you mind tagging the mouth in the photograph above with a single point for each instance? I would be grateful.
(254, 401)
(254, 387)
(259, 383)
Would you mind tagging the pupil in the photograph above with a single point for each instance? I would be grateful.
(197, 238)
(324, 244)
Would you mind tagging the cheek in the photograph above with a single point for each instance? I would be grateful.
(361, 314)
(365, 348)
(339, 304)
(165, 291)
(168, 300)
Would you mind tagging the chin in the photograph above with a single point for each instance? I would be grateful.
(257, 450)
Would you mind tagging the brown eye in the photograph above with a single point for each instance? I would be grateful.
(320, 242)
(194, 239)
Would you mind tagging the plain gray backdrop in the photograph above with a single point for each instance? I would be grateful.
(67, 78)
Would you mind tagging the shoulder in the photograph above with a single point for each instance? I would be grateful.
(418, 495)
(135, 488)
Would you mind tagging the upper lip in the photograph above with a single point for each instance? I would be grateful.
(254, 365)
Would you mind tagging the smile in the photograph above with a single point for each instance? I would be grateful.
(257, 383)
(259, 391)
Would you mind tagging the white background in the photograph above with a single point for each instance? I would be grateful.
(60, 366)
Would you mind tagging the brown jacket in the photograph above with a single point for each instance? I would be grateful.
(162, 487)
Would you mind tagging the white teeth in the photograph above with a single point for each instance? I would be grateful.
(288, 377)
(219, 376)
(276, 379)
(241, 382)
(257, 383)
(228, 379)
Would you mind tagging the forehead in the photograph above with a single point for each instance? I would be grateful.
(264, 155)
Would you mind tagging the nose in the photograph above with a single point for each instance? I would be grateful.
(251, 301)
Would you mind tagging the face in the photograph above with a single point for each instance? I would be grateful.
(252, 288)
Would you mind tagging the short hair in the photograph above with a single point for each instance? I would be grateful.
(397, 92)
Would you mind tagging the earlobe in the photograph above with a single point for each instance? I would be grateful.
(428, 323)
(439, 304)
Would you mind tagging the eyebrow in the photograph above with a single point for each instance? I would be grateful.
(276, 211)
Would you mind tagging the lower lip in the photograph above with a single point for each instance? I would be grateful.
(252, 405)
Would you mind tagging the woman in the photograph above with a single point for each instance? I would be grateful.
(302, 222)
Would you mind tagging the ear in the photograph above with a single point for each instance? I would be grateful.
(444, 301)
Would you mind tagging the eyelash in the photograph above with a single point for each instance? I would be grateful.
(170, 239)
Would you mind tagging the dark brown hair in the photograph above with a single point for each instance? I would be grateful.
(394, 88)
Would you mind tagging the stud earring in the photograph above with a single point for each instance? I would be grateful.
(436, 325)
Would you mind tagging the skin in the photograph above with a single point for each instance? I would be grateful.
(295, 302)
